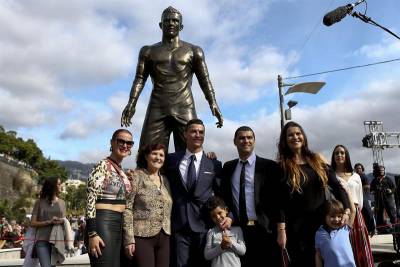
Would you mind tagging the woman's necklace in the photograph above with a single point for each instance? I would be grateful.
(52, 201)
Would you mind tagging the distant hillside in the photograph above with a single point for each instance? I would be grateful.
(76, 169)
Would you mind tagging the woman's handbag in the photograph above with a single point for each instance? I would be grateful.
(34, 254)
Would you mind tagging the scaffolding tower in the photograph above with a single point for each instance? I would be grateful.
(377, 139)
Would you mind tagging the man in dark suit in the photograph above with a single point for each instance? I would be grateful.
(248, 185)
(193, 180)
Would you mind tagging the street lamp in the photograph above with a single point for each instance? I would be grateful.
(288, 112)
(309, 87)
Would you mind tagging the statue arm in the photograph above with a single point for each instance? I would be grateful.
(142, 73)
(200, 69)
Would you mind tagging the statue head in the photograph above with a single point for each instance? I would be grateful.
(171, 21)
(170, 10)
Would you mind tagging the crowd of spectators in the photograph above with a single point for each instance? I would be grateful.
(12, 234)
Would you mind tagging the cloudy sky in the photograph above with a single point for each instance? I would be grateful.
(67, 68)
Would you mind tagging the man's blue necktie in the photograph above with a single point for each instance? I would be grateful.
(191, 174)
(242, 195)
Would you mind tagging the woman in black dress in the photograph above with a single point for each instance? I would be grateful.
(305, 178)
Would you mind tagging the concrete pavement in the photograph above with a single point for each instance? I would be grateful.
(383, 251)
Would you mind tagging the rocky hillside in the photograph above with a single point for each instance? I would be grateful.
(15, 181)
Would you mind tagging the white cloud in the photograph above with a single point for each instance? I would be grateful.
(253, 73)
(388, 48)
(47, 48)
(87, 119)
(29, 111)
(76, 48)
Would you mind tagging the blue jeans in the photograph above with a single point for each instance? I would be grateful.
(44, 253)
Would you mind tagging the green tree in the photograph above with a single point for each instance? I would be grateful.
(7, 143)
(51, 168)
(29, 153)
(12, 133)
(15, 210)
(75, 199)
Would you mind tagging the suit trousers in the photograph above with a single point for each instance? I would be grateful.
(188, 248)
(261, 247)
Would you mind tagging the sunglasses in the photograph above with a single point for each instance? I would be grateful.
(122, 142)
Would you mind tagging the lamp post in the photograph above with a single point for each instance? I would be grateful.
(309, 87)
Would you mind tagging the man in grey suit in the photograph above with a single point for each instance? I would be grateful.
(193, 180)
(249, 188)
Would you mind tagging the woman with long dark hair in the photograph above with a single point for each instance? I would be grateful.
(47, 211)
(341, 163)
(147, 218)
(305, 177)
(107, 190)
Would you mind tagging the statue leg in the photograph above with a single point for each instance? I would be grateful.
(178, 125)
(179, 137)
(155, 130)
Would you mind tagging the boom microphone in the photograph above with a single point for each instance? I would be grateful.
(339, 13)
(336, 15)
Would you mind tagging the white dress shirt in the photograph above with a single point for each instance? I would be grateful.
(184, 165)
(249, 186)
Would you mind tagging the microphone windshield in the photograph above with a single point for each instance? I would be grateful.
(335, 15)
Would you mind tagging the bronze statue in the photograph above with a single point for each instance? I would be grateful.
(170, 64)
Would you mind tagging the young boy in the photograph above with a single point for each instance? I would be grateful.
(332, 240)
(223, 248)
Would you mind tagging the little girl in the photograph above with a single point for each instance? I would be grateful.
(223, 248)
(332, 240)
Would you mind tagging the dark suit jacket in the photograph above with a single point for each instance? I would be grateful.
(188, 206)
(266, 177)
